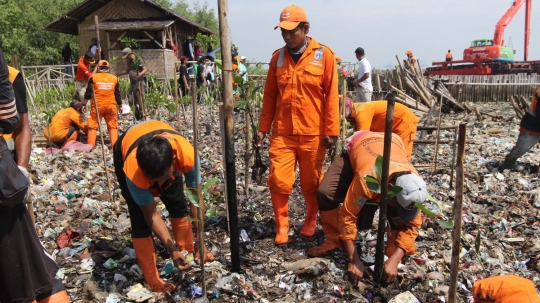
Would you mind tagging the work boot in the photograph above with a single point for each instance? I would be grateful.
(113, 134)
(146, 256)
(330, 222)
(310, 223)
(508, 164)
(280, 203)
(183, 234)
(91, 137)
(59, 297)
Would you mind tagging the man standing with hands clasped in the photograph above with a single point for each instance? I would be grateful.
(363, 85)
(136, 70)
(301, 103)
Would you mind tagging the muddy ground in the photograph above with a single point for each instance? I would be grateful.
(97, 260)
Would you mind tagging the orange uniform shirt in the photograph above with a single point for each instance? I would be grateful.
(362, 155)
(449, 56)
(372, 116)
(302, 98)
(62, 121)
(104, 85)
(185, 157)
(83, 70)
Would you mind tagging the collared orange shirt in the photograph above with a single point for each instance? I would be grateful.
(302, 98)
(62, 121)
(83, 70)
(362, 155)
(185, 156)
(372, 116)
(104, 85)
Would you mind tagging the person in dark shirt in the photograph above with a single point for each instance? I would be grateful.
(66, 58)
(183, 80)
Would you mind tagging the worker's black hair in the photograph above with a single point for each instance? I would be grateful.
(155, 157)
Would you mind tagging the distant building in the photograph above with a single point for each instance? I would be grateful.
(145, 20)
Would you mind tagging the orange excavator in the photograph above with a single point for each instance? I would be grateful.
(491, 56)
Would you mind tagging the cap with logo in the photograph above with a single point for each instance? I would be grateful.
(125, 52)
(290, 17)
(414, 191)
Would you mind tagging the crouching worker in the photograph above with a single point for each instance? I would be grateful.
(66, 126)
(372, 116)
(104, 87)
(149, 161)
(529, 133)
(505, 289)
(344, 182)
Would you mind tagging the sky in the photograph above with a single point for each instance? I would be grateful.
(384, 28)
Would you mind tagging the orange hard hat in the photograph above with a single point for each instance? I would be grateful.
(505, 289)
(409, 52)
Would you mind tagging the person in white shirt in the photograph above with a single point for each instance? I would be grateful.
(364, 88)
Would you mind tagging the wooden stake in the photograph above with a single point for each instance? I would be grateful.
(379, 254)
(458, 207)
(99, 121)
(437, 134)
(228, 106)
(200, 209)
(176, 100)
(247, 155)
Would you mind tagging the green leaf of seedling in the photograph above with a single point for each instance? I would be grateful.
(238, 79)
(426, 211)
(192, 197)
(477, 243)
(378, 166)
(171, 108)
(373, 184)
(445, 223)
(393, 191)
(210, 213)
(190, 219)
(209, 183)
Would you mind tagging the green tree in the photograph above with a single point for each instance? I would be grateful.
(21, 30)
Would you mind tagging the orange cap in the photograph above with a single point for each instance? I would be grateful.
(290, 17)
(505, 289)
(338, 59)
(409, 52)
(103, 63)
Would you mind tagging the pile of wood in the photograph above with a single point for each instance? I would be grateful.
(520, 105)
(420, 93)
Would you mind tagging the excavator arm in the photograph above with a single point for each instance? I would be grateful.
(505, 20)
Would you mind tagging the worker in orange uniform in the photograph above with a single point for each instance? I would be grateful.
(505, 289)
(83, 73)
(340, 224)
(411, 58)
(301, 103)
(149, 161)
(66, 126)
(449, 56)
(529, 133)
(105, 89)
(372, 116)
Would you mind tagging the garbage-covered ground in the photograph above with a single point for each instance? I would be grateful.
(90, 237)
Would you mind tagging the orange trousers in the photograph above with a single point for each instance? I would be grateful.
(108, 112)
(285, 152)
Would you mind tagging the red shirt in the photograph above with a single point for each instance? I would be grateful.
(83, 70)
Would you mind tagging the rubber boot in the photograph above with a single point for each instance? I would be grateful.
(146, 256)
(310, 223)
(329, 222)
(183, 234)
(508, 164)
(59, 297)
(280, 202)
(113, 134)
(91, 137)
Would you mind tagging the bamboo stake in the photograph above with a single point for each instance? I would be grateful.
(437, 134)
(458, 208)
(379, 255)
(200, 209)
(176, 100)
(247, 154)
(228, 105)
(99, 121)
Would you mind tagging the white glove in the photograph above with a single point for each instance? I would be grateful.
(24, 171)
